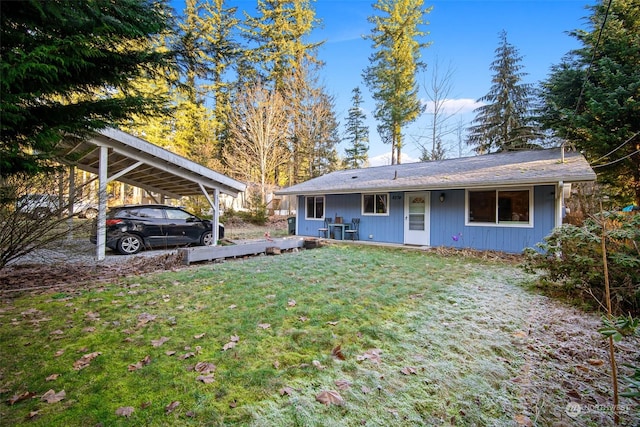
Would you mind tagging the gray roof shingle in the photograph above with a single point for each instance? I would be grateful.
(502, 169)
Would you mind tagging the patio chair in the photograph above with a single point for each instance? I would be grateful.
(353, 229)
(324, 231)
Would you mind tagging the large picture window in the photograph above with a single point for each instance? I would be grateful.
(499, 207)
(315, 207)
(375, 204)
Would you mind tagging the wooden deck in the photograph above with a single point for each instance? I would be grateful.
(241, 248)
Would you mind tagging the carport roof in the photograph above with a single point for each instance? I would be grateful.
(137, 162)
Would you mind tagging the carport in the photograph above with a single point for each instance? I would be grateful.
(114, 155)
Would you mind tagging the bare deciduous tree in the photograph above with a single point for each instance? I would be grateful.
(258, 128)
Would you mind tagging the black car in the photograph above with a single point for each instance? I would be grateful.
(134, 227)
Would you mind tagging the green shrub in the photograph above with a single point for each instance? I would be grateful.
(571, 257)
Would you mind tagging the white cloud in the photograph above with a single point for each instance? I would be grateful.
(454, 106)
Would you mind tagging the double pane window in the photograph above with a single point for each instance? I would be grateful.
(500, 207)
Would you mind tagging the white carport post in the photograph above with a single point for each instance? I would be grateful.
(101, 237)
(216, 214)
(72, 199)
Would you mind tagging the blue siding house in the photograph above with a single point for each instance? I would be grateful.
(504, 202)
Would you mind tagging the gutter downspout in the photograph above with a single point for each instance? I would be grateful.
(559, 203)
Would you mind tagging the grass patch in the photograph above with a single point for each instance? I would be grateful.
(271, 327)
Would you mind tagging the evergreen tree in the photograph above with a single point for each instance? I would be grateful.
(394, 64)
(592, 98)
(277, 38)
(504, 122)
(356, 154)
(61, 61)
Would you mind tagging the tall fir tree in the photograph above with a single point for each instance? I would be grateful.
(276, 37)
(220, 28)
(505, 122)
(61, 61)
(357, 134)
(394, 64)
(592, 98)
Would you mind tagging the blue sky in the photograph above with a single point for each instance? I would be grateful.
(463, 36)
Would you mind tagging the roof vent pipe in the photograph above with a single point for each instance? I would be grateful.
(395, 176)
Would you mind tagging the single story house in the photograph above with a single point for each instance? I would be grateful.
(505, 202)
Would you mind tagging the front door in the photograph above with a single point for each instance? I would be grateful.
(416, 218)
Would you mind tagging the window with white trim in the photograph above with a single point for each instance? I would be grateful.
(315, 207)
(508, 207)
(375, 204)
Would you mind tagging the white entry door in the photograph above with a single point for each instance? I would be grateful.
(416, 218)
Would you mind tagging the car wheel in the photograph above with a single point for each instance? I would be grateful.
(129, 244)
(41, 213)
(206, 239)
(90, 213)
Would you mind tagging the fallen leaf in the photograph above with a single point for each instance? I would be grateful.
(285, 390)
(318, 365)
(373, 355)
(20, 397)
(145, 318)
(342, 384)
(186, 356)
(409, 370)
(58, 353)
(52, 397)
(33, 414)
(57, 332)
(145, 405)
(207, 379)
(520, 334)
(329, 397)
(264, 325)
(197, 337)
(125, 411)
(159, 342)
(52, 377)
(140, 364)
(332, 323)
(170, 352)
(232, 306)
(365, 389)
(595, 362)
(291, 303)
(85, 360)
(92, 316)
(337, 352)
(89, 329)
(205, 367)
(234, 338)
(523, 420)
(276, 364)
(233, 404)
(171, 407)
(303, 318)
(228, 345)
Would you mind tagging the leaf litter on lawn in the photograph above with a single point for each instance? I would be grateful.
(477, 348)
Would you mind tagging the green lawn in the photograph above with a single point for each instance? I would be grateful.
(394, 336)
